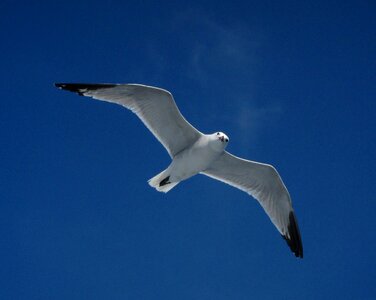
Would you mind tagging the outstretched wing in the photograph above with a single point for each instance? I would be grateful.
(155, 107)
(263, 182)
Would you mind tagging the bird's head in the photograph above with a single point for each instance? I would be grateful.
(219, 140)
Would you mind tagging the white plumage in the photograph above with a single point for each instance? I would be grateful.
(193, 152)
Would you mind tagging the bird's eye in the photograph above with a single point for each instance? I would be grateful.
(217, 133)
(226, 140)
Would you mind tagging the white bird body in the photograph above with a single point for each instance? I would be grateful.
(191, 161)
(193, 152)
(196, 158)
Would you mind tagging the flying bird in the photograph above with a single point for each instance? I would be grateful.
(193, 152)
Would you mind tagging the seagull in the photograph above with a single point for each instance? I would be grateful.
(193, 152)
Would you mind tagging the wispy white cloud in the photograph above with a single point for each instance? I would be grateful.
(224, 50)
(222, 58)
(225, 57)
(253, 120)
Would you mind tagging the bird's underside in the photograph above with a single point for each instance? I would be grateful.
(156, 108)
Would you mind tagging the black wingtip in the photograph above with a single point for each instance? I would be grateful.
(81, 88)
(294, 240)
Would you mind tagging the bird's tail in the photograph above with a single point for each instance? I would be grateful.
(161, 182)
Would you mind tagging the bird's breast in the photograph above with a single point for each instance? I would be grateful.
(192, 160)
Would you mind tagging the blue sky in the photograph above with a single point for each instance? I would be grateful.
(292, 84)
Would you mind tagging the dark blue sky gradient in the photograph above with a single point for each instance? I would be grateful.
(292, 84)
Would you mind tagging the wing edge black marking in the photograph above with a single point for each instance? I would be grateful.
(81, 88)
(294, 240)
